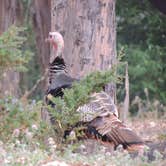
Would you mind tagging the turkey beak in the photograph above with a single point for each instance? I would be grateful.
(48, 40)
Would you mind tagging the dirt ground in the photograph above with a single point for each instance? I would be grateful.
(153, 131)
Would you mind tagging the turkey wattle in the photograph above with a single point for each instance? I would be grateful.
(99, 116)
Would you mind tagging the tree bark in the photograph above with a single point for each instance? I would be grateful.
(41, 16)
(89, 31)
(10, 13)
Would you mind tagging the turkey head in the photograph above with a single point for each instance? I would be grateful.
(57, 44)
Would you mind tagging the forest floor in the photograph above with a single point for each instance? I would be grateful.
(152, 130)
(87, 153)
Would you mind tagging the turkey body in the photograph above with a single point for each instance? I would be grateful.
(98, 118)
(58, 79)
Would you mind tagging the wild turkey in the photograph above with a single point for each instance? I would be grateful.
(99, 117)
(59, 79)
(58, 76)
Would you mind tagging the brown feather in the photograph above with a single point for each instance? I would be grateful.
(111, 127)
(101, 117)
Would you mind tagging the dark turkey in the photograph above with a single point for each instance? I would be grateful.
(58, 77)
(99, 117)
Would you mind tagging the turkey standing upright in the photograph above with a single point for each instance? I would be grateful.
(99, 116)
(58, 77)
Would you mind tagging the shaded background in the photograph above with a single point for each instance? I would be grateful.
(140, 31)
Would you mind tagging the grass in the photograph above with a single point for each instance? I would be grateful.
(26, 140)
(22, 154)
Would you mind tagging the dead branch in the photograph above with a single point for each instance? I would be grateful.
(31, 91)
(126, 100)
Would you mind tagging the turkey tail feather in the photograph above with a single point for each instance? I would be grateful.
(115, 131)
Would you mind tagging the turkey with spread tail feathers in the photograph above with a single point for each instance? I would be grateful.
(99, 116)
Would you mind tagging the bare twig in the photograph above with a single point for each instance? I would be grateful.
(28, 93)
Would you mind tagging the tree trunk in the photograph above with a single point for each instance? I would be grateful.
(10, 13)
(41, 15)
(89, 31)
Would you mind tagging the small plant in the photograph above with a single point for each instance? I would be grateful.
(65, 113)
(22, 121)
(12, 53)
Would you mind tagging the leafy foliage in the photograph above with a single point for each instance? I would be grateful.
(141, 30)
(12, 53)
(19, 120)
(65, 111)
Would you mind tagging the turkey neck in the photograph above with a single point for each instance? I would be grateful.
(56, 67)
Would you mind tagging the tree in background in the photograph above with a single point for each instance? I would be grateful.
(37, 18)
(85, 26)
(41, 20)
(10, 13)
(141, 29)
(89, 31)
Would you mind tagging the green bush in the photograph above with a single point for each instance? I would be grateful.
(64, 113)
(22, 121)
(12, 53)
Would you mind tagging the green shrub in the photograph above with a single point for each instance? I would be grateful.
(22, 121)
(64, 113)
(12, 53)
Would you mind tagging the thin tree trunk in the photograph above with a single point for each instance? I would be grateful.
(89, 31)
(10, 13)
